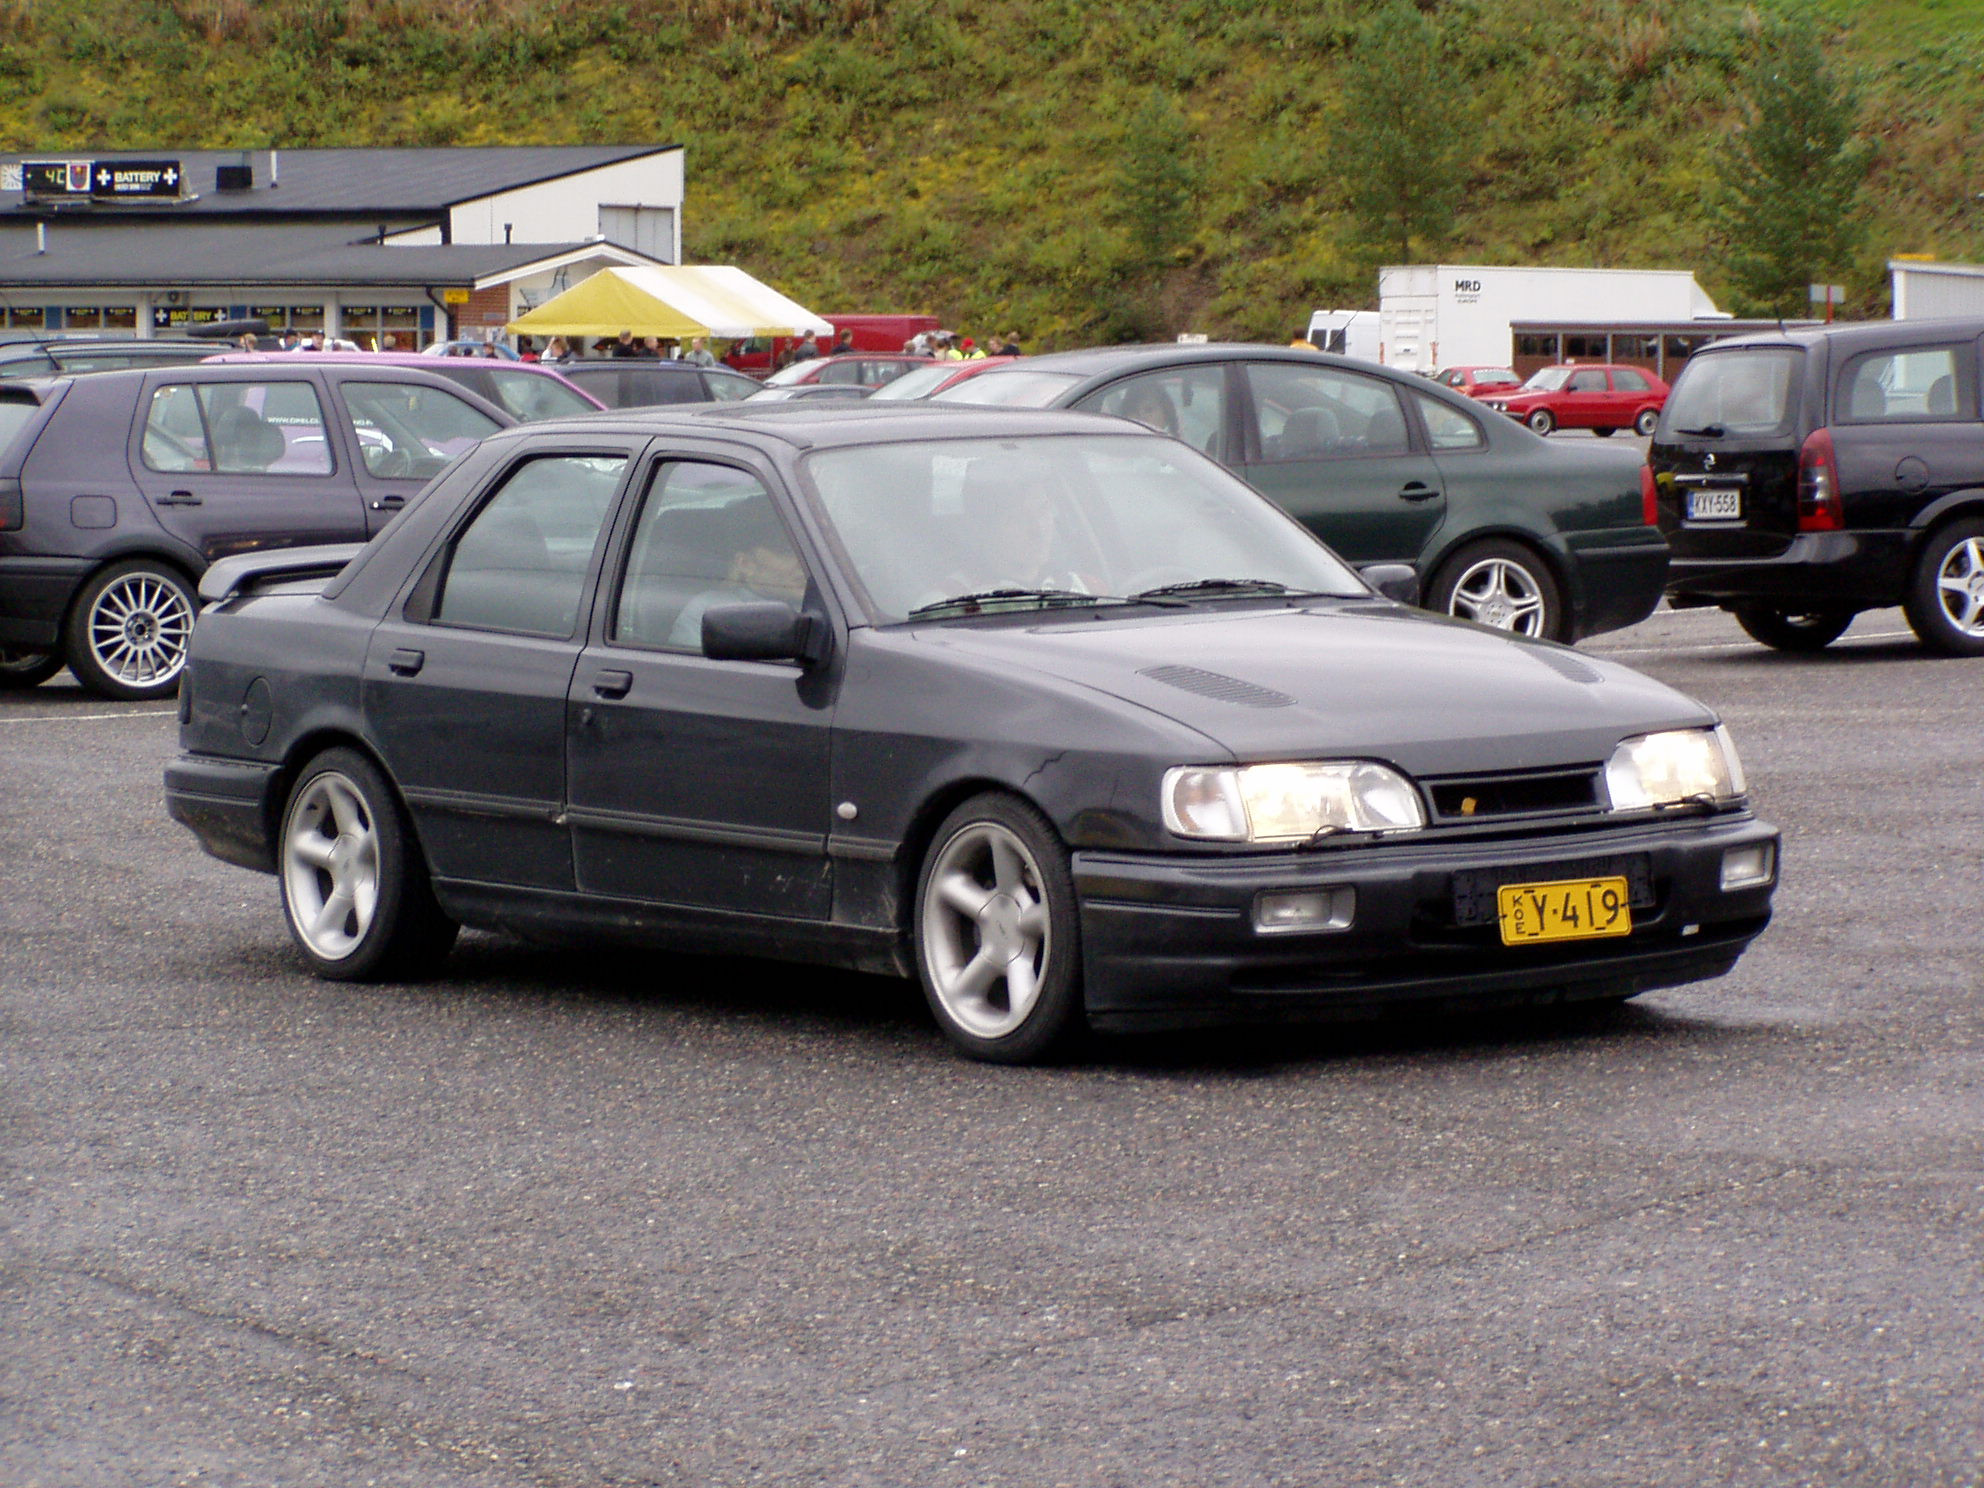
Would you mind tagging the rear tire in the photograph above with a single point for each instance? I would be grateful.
(129, 630)
(1604, 433)
(1945, 600)
(355, 890)
(998, 935)
(1542, 421)
(1794, 630)
(1503, 585)
(20, 667)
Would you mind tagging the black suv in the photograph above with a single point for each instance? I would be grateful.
(118, 489)
(1805, 476)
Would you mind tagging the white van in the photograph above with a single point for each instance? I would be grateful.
(1346, 332)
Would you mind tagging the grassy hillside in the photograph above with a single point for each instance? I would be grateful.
(965, 156)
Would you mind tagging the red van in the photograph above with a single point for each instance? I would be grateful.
(759, 355)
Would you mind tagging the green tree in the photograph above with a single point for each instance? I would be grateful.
(1156, 181)
(1397, 143)
(1790, 206)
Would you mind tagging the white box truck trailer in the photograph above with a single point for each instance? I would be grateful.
(1459, 315)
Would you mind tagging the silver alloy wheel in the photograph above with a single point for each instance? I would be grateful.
(330, 866)
(986, 936)
(138, 629)
(1497, 592)
(1960, 586)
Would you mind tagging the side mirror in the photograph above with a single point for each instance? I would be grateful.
(766, 630)
(1399, 581)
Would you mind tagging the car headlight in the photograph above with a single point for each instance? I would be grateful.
(1668, 768)
(1288, 803)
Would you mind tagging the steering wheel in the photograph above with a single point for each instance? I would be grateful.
(395, 462)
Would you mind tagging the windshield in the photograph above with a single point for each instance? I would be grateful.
(537, 395)
(1052, 520)
(787, 375)
(1741, 391)
(914, 383)
(1549, 379)
(1017, 389)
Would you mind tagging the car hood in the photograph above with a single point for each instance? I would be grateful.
(1346, 679)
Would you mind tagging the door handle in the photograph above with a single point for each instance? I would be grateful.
(388, 503)
(405, 661)
(613, 684)
(179, 498)
(1418, 491)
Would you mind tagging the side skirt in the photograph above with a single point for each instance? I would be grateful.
(551, 915)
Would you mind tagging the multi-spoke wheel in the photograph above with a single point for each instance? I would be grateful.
(354, 888)
(20, 667)
(1945, 601)
(129, 629)
(1499, 584)
(996, 932)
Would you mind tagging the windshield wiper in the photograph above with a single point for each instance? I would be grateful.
(995, 596)
(1706, 431)
(1215, 586)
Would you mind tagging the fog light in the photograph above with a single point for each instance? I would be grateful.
(1747, 867)
(1292, 912)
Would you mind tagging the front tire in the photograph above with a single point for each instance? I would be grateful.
(1645, 421)
(129, 630)
(1502, 585)
(22, 668)
(1794, 630)
(1542, 421)
(1945, 601)
(998, 937)
(354, 886)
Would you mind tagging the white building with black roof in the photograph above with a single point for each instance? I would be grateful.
(409, 244)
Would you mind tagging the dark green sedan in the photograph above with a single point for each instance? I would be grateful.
(1544, 539)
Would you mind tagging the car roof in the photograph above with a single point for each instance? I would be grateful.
(804, 423)
(1097, 360)
(1856, 333)
(412, 359)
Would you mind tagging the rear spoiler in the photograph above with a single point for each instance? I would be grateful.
(232, 576)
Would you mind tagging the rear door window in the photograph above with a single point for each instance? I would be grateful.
(1747, 392)
(1917, 384)
(237, 428)
(520, 565)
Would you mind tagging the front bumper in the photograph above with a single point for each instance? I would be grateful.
(1168, 941)
(1865, 569)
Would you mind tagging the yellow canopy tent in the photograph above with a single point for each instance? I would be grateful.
(671, 300)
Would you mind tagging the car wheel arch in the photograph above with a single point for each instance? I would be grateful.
(929, 816)
(1940, 513)
(305, 747)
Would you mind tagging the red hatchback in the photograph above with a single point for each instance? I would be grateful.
(1478, 382)
(1585, 396)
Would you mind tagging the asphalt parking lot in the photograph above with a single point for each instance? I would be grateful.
(641, 1220)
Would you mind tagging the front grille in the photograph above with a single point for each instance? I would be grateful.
(1536, 793)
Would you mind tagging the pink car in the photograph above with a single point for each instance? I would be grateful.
(525, 390)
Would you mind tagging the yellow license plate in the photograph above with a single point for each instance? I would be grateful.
(1571, 909)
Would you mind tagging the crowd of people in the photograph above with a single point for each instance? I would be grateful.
(945, 346)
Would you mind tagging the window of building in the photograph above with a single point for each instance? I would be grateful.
(1586, 348)
(82, 317)
(27, 317)
(1531, 344)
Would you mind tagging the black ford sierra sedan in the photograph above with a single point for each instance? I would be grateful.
(1044, 708)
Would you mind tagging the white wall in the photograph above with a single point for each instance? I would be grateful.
(567, 210)
(1445, 315)
(1926, 291)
